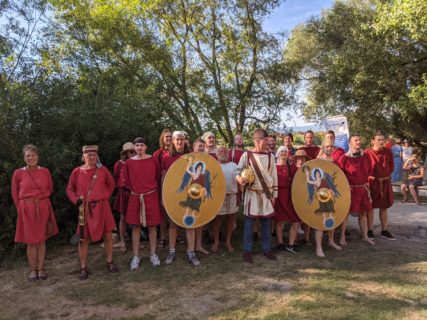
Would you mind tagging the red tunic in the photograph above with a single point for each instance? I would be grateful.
(142, 177)
(338, 152)
(122, 197)
(357, 170)
(100, 220)
(159, 153)
(312, 151)
(235, 155)
(31, 198)
(283, 207)
(381, 168)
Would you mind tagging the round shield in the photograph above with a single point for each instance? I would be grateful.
(193, 190)
(321, 194)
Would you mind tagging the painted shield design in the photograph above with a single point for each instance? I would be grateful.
(321, 194)
(193, 190)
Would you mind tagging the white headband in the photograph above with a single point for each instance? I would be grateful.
(280, 150)
(178, 133)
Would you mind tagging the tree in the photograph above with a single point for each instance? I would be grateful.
(349, 63)
(209, 61)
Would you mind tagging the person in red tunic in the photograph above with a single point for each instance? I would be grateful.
(31, 188)
(283, 207)
(357, 168)
(309, 147)
(380, 185)
(141, 175)
(178, 149)
(210, 141)
(338, 151)
(237, 151)
(165, 142)
(122, 197)
(288, 140)
(90, 187)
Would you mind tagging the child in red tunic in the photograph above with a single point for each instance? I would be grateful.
(31, 189)
(91, 186)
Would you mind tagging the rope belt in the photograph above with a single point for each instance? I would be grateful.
(142, 213)
(36, 201)
(381, 180)
(366, 186)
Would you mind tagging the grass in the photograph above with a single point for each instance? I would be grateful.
(361, 282)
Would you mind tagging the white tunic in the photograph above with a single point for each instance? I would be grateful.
(256, 203)
(230, 202)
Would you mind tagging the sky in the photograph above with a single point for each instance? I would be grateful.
(288, 15)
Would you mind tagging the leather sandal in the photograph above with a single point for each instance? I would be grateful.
(33, 278)
(111, 267)
(42, 275)
(84, 274)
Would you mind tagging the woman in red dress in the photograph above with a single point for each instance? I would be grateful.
(31, 189)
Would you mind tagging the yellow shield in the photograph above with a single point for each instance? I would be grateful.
(321, 194)
(193, 190)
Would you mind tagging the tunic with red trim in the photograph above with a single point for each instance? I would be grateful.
(357, 169)
(99, 219)
(382, 165)
(31, 198)
(234, 155)
(142, 177)
(283, 207)
(122, 197)
(312, 151)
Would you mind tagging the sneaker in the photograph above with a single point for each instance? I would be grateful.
(387, 235)
(247, 257)
(292, 249)
(191, 256)
(154, 259)
(170, 258)
(270, 255)
(371, 234)
(134, 264)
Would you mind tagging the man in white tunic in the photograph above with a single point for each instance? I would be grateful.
(260, 195)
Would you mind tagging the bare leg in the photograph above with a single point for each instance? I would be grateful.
(136, 236)
(216, 227)
(404, 190)
(199, 238)
(163, 228)
(83, 250)
(332, 243)
(319, 249)
(32, 259)
(41, 254)
(191, 239)
(231, 221)
(152, 234)
(343, 227)
(364, 228)
(293, 232)
(279, 231)
(173, 232)
(413, 193)
(383, 219)
(307, 230)
(108, 244)
(370, 219)
(122, 232)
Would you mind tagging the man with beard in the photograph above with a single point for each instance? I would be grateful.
(237, 151)
(309, 147)
(210, 140)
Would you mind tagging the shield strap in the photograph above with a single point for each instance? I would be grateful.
(259, 175)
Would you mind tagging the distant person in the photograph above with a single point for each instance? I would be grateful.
(31, 189)
(397, 151)
(309, 147)
(415, 178)
(337, 151)
(381, 190)
(237, 151)
(210, 141)
(407, 150)
(272, 144)
(288, 140)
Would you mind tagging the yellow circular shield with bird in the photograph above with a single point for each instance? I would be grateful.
(193, 190)
(321, 194)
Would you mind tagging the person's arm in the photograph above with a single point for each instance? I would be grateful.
(72, 187)
(407, 164)
(420, 176)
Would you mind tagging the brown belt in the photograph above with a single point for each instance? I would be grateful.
(366, 186)
(381, 180)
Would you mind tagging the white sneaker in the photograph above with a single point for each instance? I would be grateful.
(154, 259)
(134, 263)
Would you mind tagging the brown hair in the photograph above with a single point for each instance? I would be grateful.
(259, 131)
(376, 134)
(308, 131)
(161, 143)
(198, 140)
(30, 147)
(330, 132)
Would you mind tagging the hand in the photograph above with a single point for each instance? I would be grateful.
(241, 180)
(78, 203)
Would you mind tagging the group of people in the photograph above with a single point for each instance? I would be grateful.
(138, 178)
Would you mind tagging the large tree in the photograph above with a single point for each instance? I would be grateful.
(208, 62)
(367, 60)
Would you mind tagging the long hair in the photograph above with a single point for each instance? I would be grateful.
(161, 142)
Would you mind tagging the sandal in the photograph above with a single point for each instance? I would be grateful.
(162, 243)
(404, 200)
(84, 274)
(33, 277)
(111, 267)
(42, 275)
(123, 247)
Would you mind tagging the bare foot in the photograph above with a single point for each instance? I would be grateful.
(369, 241)
(202, 250)
(229, 247)
(335, 246)
(319, 253)
(343, 243)
(215, 247)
